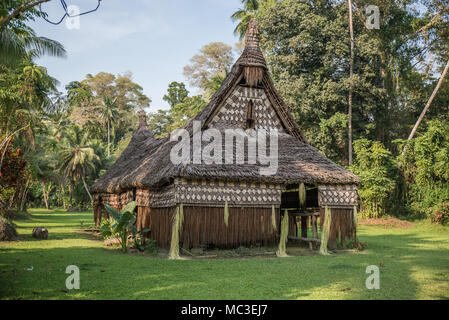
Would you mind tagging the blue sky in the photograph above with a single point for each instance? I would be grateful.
(153, 39)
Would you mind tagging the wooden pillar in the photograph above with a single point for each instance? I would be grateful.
(304, 221)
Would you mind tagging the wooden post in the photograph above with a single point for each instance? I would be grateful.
(304, 221)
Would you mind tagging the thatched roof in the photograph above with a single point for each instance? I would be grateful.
(145, 163)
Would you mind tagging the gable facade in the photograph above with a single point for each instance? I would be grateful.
(234, 112)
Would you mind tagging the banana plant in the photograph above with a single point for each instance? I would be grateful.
(123, 221)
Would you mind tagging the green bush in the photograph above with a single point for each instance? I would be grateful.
(378, 174)
(425, 167)
(120, 223)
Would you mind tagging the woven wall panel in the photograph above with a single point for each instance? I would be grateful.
(143, 197)
(338, 196)
(165, 197)
(126, 197)
(111, 199)
(156, 198)
(214, 192)
(233, 113)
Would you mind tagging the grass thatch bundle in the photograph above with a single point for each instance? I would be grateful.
(181, 217)
(302, 194)
(176, 227)
(325, 231)
(355, 224)
(282, 251)
(226, 213)
(273, 218)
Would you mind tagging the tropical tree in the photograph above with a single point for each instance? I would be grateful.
(109, 112)
(78, 156)
(43, 168)
(17, 40)
(213, 59)
(244, 15)
(250, 9)
(176, 93)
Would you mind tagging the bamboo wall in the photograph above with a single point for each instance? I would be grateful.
(206, 226)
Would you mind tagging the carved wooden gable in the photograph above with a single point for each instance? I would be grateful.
(247, 108)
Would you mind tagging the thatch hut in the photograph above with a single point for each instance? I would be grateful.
(231, 204)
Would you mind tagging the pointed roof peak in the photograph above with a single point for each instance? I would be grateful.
(252, 34)
(142, 119)
(142, 131)
(252, 54)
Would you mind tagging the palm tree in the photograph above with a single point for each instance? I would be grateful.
(250, 10)
(244, 15)
(42, 168)
(78, 158)
(18, 41)
(108, 111)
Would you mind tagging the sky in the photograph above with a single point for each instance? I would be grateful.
(152, 39)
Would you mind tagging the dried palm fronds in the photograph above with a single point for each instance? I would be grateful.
(174, 245)
(273, 218)
(325, 231)
(282, 251)
(226, 213)
(302, 194)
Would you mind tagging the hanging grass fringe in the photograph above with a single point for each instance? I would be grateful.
(325, 231)
(273, 218)
(226, 213)
(282, 251)
(181, 218)
(176, 227)
(355, 222)
(302, 194)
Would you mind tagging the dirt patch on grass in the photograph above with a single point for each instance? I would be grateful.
(387, 222)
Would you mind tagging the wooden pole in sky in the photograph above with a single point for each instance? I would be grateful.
(351, 71)
(434, 93)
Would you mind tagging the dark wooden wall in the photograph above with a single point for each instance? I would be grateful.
(342, 226)
(206, 226)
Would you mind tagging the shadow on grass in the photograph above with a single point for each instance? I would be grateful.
(112, 275)
(407, 262)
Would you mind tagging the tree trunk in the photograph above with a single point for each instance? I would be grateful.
(62, 188)
(87, 189)
(109, 139)
(71, 195)
(434, 93)
(44, 193)
(24, 195)
(351, 70)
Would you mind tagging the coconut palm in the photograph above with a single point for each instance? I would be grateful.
(78, 157)
(18, 41)
(244, 15)
(250, 10)
(109, 112)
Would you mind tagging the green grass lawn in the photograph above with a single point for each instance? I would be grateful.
(414, 264)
